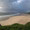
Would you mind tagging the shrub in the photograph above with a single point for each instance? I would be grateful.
(16, 26)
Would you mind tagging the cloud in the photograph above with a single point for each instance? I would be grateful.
(26, 5)
(14, 5)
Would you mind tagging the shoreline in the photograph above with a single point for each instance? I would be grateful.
(16, 19)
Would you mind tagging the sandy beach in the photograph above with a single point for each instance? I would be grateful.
(16, 19)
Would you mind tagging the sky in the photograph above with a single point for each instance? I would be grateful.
(14, 6)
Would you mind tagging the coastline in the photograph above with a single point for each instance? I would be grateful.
(16, 19)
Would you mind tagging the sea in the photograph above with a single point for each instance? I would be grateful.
(5, 16)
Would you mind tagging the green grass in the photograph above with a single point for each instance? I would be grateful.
(16, 26)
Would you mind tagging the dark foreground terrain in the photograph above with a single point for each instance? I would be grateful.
(16, 26)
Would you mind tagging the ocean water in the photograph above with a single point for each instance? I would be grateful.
(5, 17)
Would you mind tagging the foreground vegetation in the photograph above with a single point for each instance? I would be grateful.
(16, 26)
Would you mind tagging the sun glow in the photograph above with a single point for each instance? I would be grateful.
(19, 1)
(0, 7)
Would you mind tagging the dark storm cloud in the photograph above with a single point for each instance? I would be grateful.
(26, 5)
(14, 6)
(23, 6)
(6, 5)
(12, 0)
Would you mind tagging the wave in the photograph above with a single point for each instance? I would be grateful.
(4, 17)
